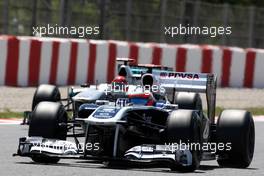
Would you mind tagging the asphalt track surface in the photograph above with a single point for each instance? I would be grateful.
(18, 166)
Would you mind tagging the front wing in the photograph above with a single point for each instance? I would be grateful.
(143, 154)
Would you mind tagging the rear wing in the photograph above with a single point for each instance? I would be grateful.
(191, 82)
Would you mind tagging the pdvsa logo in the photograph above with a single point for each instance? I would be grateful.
(179, 75)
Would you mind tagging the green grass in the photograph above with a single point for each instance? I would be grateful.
(10, 114)
(7, 113)
(254, 111)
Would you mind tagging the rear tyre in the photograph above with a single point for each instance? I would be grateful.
(48, 120)
(184, 126)
(189, 100)
(237, 128)
(46, 92)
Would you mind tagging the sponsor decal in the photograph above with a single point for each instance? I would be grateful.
(179, 75)
(105, 113)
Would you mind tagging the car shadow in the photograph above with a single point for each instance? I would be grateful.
(150, 168)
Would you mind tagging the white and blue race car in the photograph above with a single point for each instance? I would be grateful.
(143, 127)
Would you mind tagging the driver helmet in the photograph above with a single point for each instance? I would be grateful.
(120, 84)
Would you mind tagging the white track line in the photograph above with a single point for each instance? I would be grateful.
(259, 118)
(10, 121)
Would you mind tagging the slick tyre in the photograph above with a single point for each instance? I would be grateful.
(46, 92)
(48, 120)
(237, 128)
(189, 100)
(184, 126)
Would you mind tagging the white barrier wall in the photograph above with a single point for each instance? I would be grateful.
(30, 61)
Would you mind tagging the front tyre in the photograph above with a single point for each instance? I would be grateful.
(45, 159)
(49, 120)
(237, 128)
(184, 126)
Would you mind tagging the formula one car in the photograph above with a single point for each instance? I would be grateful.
(144, 128)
